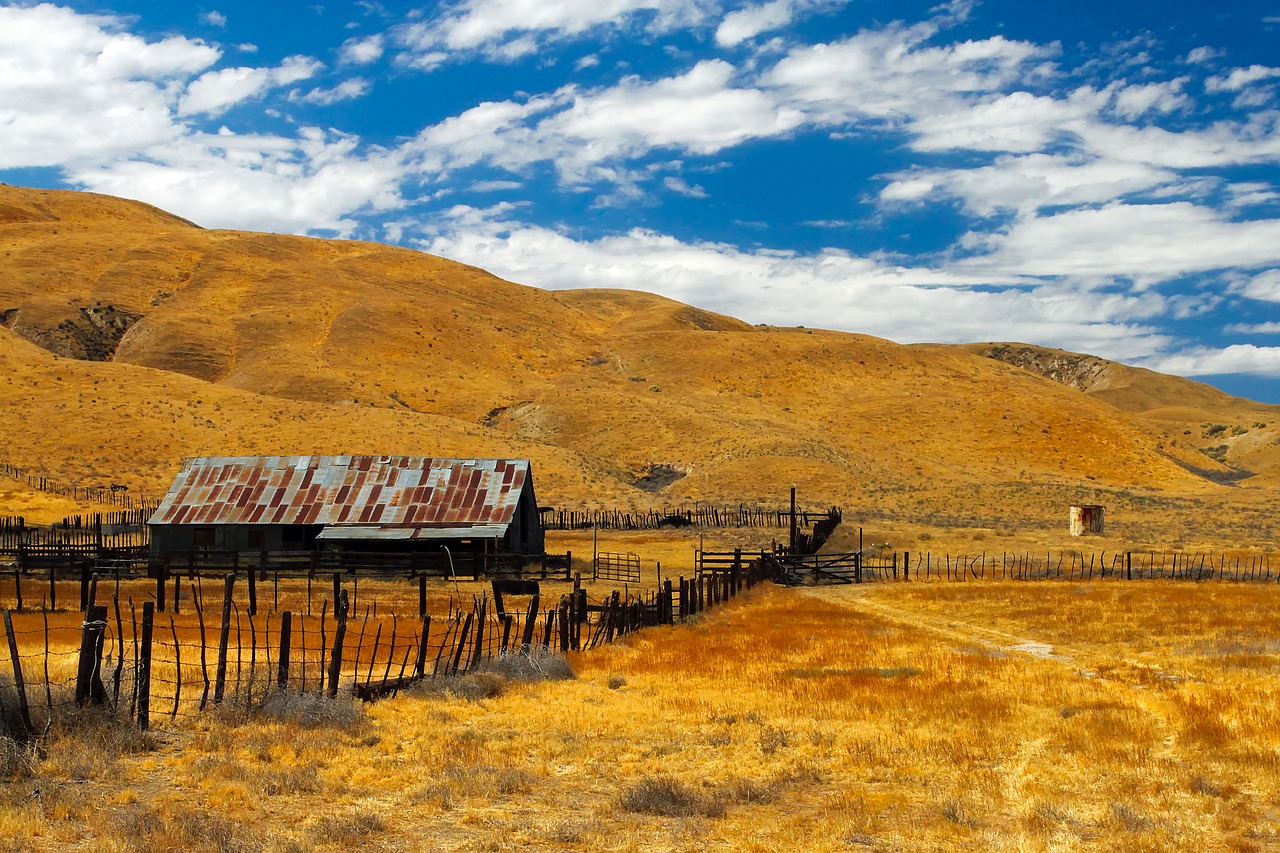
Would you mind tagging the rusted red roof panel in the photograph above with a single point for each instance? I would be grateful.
(386, 491)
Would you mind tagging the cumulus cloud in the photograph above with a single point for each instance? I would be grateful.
(362, 51)
(748, 23)
(1238, 78)
(314, 181)
(215, 92)
(1147, 243)
(76, 87)
(213, 19)
(1212, 361)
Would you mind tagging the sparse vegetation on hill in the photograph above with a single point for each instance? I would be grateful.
(132, 338)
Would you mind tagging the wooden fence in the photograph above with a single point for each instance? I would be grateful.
(115, 494)
(1068, 565)
(682, 516)
(151, 665)
(123, 531)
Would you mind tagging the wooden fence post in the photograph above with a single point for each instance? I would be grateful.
(286, 626)
(17, 586)
(530, 623)
(53, 588)
(89, 687)
(462, 642)
(340, 607)
(144, 666)
(420, 665)
(422, 595)
(253, 592)
(18, 683)
(224, 638)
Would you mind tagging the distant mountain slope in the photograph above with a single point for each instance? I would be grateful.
(130, 338)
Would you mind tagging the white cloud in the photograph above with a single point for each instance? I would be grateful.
(1210, 361)
(700, 112)
(890, 74)
(1202, 55)
(750, 22)
(1264, 287)
(683, 187)
(508, 29)
(1239, 78)
(1269, 328)
(362, 51)
(1029, 182)
(267, 183)
(213, 19)
(1137, 100)
(356, 87)
(215, 92)
(75, 88)
(1145, 242)
(495, 186)
(829, 289)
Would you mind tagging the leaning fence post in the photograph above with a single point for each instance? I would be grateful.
(144, 666)
(340, 614)
(220, 678)
(18, 683)
(420, 665)
(89, 685)
(286, 628)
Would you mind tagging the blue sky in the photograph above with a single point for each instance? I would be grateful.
(1097, 176)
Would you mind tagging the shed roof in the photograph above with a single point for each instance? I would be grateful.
(385, 492)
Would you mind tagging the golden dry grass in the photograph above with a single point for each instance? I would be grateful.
(998, 716)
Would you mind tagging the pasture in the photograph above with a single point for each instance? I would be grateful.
(994, 716)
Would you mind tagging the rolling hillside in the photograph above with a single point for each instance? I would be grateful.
(130, 338)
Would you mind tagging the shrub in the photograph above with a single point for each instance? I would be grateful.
(667, 797)
(310, 710)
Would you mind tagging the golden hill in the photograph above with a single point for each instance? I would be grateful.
(130, 338)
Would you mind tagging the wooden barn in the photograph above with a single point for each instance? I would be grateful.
(351, 503)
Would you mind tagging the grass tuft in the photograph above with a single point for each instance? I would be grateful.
(667, 797)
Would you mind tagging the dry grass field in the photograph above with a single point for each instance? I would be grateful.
(1000, 716)
(997, 716)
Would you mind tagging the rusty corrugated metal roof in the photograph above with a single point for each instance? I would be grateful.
(365, 491)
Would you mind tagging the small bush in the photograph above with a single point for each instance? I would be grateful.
(773, 739)
(17, 760)
(310, 710)
(535, 664)
(349, 829)
(616, 682)
(667, 797)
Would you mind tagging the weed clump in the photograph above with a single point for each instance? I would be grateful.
(311, 710)
(490, 678)
(667, 797)
(349, 829)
